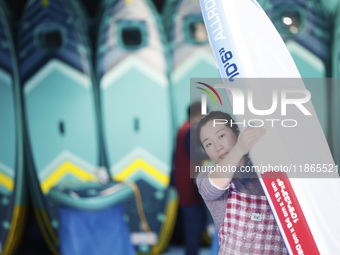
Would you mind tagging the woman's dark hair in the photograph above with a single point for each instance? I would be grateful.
(216, 115)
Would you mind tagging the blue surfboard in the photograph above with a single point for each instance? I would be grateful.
(305, 26)
(12, 185)
(131, 68)
(61, 132)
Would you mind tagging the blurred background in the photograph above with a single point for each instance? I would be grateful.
(93, 93)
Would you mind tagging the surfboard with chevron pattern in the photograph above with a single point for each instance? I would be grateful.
(60, 112)
(136, 114)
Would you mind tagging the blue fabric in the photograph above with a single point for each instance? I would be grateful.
(194, 221)
(215, 247)
(94, 232)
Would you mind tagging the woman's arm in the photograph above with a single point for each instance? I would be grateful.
(207, 189)
(234, 158)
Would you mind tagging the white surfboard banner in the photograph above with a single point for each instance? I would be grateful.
(246, 44)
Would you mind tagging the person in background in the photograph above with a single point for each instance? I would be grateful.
(191, 206)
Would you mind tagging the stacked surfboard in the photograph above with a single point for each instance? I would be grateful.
(335, 93)
(131, 68)
(191, 56)
(305, 26)
(306, 205)
(12, 186)
(61, 133)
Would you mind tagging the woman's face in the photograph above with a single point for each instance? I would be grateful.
(217, 141)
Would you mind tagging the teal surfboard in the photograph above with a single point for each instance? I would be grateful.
(305, 26)
(12, 185)
(61, 132)
(168, 14)
(335, 92)
(131, 68)
(191, 56)
(191, 59)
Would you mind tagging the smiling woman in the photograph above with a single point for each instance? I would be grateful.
(225, 145)
(217, 141)
(235, 199)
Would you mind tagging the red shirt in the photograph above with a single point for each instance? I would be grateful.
(186, 186)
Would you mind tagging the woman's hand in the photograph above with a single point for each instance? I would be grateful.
(245, 142)
(248, 138)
